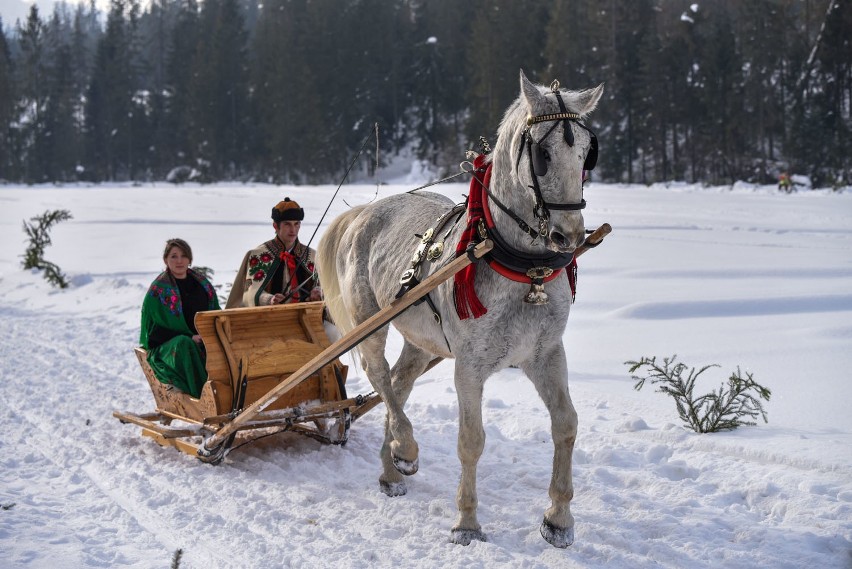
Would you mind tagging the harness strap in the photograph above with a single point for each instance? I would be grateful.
(567, 206)
(523, 225)
(410, 278)
(519, 261)
(567, 133)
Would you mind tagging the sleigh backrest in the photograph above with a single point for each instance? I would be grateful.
(267, 344)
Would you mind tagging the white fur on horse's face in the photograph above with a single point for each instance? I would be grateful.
(563, 183)
(362, 255)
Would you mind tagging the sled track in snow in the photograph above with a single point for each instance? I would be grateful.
(78, 446)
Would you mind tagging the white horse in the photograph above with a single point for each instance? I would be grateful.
(532, 212)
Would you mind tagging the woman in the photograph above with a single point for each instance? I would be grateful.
(168, 332)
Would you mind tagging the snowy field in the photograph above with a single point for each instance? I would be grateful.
(738, 277)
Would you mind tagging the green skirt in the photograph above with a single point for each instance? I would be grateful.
(180, 362)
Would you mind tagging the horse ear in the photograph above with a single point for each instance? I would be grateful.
(588, 99)
(529, 91)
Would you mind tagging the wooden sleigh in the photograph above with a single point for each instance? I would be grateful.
(249, 352)
(273, 367)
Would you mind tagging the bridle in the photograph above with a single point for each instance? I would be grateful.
(538, 158)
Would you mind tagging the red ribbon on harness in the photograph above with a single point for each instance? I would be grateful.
(467, 303)
(290, 260)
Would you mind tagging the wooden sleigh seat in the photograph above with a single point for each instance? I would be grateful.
(249, 352)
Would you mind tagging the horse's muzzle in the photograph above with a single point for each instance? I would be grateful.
(566, 241)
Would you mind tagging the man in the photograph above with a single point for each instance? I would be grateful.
(280, 270)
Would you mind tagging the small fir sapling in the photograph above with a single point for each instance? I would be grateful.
(205, 272)
(178, 554)
(38, 231)
(722, 410)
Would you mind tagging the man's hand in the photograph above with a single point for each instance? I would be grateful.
(277, 299)
(316, 294)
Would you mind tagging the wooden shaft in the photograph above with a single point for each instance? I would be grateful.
(346, 343)
(594, 238)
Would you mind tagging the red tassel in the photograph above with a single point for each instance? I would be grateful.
(467, 303)
(571, 273)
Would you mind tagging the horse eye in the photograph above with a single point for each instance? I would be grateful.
(545, 154)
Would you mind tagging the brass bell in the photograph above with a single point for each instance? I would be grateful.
(536, 294)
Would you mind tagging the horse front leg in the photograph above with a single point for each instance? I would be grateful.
(471, 442)
(549, 374)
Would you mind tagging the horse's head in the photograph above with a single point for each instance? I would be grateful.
(551, 152)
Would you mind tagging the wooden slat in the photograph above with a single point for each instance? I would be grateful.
(152, 424)
(180, 444)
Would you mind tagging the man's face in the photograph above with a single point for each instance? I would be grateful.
(287, 231)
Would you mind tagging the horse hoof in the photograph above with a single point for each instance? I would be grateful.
(465, 536)
(555, 536)
(406, 467)
(393, 489)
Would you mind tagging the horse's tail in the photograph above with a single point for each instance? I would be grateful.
(327, 253)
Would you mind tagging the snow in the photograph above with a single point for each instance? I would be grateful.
(742, 277)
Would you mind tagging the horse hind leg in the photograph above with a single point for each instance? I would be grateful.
(411, 364)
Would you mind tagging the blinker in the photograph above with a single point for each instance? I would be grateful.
(540, 158)
(592, 156)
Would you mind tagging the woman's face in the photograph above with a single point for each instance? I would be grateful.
(177, 262)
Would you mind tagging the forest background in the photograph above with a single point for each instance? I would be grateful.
(288, 91)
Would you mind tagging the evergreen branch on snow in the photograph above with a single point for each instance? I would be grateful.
(38, 231)
(732, 406)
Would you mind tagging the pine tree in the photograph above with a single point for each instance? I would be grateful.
(219, 85)
(7, 110)
(156, 28)
(33, 94)
(180, 106)
(764, 30)
(60, 150)
(628, 24)
(574, 43)
(439, 78)
(722, 93)
(109, 104)
(820, 137)
(499, 46)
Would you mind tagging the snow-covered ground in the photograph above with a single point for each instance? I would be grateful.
(745, 277)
